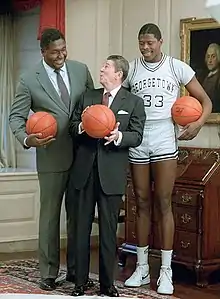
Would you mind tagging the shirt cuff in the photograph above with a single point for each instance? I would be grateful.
(118, 142)
(80, 131)
(25, 143)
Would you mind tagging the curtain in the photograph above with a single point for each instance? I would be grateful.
(23, 5)
(7, 79)
(52, 15)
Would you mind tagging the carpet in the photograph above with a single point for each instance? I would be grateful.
(22, 276)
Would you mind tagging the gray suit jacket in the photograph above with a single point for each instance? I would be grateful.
(36, 92)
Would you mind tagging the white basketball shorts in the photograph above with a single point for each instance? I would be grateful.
(159, 143)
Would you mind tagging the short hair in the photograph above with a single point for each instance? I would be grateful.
(121, 64)
(50, 35)
(150, 28)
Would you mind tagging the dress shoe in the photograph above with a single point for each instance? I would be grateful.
(110, 292)
(70, 277)
(78, 291)
(88, 285)
(48, 284)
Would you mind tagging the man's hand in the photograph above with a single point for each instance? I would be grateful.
(190, 131)
(113, 135)
(35, 140)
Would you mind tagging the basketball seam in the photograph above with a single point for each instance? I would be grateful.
(182, 116)
(98, 119)
(107, 116)
(48, 127)
(189, 107)
(38, 121)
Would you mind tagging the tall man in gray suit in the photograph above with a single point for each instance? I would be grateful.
(54, 85)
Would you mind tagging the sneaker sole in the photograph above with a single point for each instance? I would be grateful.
(165, 293)
(143, 282)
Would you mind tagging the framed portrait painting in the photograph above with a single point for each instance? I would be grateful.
(200, 48)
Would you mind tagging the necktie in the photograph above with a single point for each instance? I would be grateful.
(105, 99)
(64, 94)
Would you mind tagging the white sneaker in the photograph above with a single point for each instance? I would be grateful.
(165, 283)
(140, 277)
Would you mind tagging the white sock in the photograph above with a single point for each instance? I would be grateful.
(166, 257)
(142, 255)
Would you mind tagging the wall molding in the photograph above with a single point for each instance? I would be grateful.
(32, 244)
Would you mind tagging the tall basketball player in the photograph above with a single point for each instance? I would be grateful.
(156, 78)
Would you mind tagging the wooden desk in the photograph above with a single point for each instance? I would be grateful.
(196, 208)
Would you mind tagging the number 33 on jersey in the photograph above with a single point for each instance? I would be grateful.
(158, 84)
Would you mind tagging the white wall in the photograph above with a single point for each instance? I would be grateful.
(19, 210)
(97, 28)
(87, 32)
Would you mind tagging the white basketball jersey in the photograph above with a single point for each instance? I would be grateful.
(158, 84)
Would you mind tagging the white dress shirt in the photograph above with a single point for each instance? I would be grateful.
(112, 94)
(53, 76)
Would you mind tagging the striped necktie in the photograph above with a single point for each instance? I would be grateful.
(105, 99)
(64, 94)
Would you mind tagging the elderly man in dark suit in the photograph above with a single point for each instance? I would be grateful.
(99, 172)
(54, 85)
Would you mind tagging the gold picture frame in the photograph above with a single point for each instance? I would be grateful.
(197, 32)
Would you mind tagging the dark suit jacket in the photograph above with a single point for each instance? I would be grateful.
(36, 92)
(112, 160)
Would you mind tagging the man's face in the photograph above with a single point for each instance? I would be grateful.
(55, 54)
(211, 59)
(149, 47)
(108, 73)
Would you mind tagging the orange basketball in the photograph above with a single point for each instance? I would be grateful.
(98, 121)
(42, 122)
(186, 110)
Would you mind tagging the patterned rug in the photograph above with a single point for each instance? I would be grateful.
(22, 276)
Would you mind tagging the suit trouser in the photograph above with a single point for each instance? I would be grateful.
(108, 211)
(52, 189)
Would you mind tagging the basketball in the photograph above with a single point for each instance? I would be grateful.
(98, 121)
(42, 122)
(186, 110)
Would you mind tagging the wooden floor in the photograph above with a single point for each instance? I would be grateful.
(184, 280)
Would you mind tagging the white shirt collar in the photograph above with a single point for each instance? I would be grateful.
(113, 92)
(50, 70)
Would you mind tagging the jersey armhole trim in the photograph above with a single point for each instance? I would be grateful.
(173, 71)
(133, 74)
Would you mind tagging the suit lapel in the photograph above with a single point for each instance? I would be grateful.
(97, 99)
(73, 81)
(118, 100)
(48, 87)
